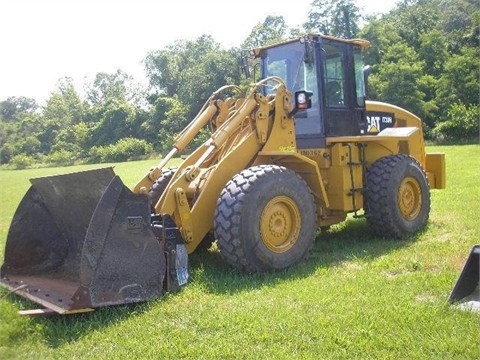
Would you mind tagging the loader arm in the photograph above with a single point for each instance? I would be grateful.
(213, 111)
(192, 193)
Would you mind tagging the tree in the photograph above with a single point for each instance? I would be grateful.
(334, 17)
(168, 116)
(381, 34)
(116, 121)
(165, 67)
(62, 110)
(15, 107)
(460, 23)
(191, 71)
(459, 82)
(412, 18)
(199, 81)
(433, 51)
(462, 123)
(64, 105)
(20, 137)
(273, 29)
(396, 79)
(426, 58)
(163, 71)
(16, 114)
(118, 85)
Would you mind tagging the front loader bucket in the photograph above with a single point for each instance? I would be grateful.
(80, 241)
(466, 290)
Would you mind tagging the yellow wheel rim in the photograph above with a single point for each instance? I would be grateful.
(410, 198)
(280, 223)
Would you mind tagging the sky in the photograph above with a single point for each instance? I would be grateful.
(42, 41)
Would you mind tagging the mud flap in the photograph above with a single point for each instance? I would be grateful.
(81, 241)
(466, 291)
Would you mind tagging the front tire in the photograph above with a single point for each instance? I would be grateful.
(397, 197)
(265, 219)
(160, 185)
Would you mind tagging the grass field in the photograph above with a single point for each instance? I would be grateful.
(355, 297)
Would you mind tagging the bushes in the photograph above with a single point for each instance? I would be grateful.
(123, 150)
(462, 124)
(61, 158)
(22, 161)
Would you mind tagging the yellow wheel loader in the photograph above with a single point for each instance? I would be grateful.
(299, 151)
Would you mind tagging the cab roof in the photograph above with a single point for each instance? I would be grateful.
(359, 42)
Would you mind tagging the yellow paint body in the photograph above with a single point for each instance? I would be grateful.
(255, 129)
(259, 130)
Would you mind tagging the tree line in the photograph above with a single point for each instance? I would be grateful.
(425, 57)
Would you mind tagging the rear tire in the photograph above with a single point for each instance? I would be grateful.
(397, 197)
(265, 219)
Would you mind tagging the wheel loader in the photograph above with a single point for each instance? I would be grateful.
(299, 151)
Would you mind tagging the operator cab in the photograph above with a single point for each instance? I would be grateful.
(332, 71)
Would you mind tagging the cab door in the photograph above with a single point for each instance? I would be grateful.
(344, 101)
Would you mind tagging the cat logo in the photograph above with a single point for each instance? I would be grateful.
(378, 121)
(372, 129)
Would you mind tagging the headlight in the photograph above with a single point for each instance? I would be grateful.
(303, 100)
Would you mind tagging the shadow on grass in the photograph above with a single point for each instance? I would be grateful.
(56, 330)
(341, 243)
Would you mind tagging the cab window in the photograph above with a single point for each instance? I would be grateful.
(359, 77)
(334, 77)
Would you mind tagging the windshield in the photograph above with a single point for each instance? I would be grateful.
(284, 61)
(288, 62)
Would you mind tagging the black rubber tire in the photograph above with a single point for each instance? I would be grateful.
(397, 200)
(278, 195)
(160, 185)
(157, 190)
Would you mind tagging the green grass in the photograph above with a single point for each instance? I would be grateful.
(355, 297)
